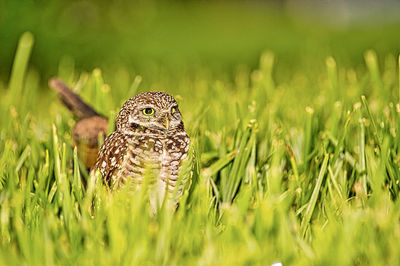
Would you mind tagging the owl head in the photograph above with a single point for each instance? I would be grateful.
(154, 110)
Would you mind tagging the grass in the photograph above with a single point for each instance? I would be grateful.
(302, 171)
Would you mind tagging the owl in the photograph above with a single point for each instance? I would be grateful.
(150, 142)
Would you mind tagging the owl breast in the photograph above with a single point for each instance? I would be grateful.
(154, 160)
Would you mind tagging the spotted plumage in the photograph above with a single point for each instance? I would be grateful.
(149, 141)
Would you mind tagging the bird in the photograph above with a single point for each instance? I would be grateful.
(90, 127)
(149, 141)
(149, 144)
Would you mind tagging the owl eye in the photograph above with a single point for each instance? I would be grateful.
(148, 111)
(173, 110)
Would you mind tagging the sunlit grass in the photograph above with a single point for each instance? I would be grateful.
(302, 171)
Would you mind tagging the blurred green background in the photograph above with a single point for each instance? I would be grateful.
(271, 96)
(179, 35)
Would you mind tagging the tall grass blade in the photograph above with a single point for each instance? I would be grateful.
(375, 132)
(20, 64)
(314, 196)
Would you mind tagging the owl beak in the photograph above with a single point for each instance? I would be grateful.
(166, 122)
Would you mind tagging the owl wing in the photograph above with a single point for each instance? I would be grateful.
(186, 166)
(111, 155)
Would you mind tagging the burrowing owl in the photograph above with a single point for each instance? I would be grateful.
(149, 140)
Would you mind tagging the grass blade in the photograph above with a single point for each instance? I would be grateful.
(314, 196)
(20, 64)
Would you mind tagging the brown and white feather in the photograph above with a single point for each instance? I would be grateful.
(143, 146)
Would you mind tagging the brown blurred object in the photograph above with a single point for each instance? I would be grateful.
(90, 128)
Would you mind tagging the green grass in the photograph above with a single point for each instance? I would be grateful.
(304, 170)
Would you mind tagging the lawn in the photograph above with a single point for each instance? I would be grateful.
(296, 160)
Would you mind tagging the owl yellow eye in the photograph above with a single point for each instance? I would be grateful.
(148, 111)
(173, 110)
